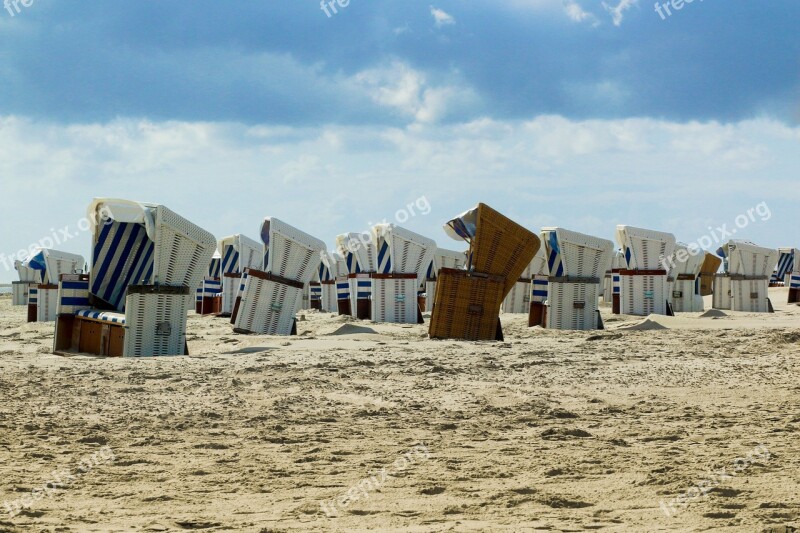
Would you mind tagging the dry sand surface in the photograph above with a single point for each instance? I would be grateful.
(548, 431)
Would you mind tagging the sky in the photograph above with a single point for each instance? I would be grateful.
(573, 113)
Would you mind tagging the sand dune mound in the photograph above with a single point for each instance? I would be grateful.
(352, 329)
(714, 313)
(648, 324)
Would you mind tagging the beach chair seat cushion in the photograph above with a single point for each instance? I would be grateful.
(102, 316)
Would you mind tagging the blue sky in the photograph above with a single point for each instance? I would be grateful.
(582, 114)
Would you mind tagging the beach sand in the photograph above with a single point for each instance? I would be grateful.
(547, 431)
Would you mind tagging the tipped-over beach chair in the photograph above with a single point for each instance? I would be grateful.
(576, 262)
(442, 258)
(643, 281)
(28, 277)
(403, 260)
(685, 270)
(270, 297)
(361, 260)
(745, 284)
(238, 253)
(209, 295)
(146, 264)
(708, 271)
(467, 304)
(49, 265)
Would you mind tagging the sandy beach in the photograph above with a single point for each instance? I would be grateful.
(688, 423)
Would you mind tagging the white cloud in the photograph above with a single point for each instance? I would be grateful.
(584, 175)
(576, 13)
(441, 18)
(618, 10)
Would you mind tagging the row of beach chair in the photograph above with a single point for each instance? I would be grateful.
(148, 264)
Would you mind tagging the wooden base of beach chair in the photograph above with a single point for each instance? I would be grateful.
(616, 304)
(537, 314)
(76, 334)
(363, 309)
(467, 306)
(344, 307)
(209, 305)
(32, 313)
(316, 304)
(794, 296)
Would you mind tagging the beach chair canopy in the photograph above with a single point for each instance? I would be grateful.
(358, 252)
(328, 267)
(26, 273)
(288, 252)
(786, 263)
(573, 254)
(748, 259)
(215, 266)
(644, 249)
(443, 258)
(687, 261)
(135, 243)
(401, 251)
(239, 252)
(50, 264)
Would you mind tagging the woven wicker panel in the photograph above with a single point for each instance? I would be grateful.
(467, 305)
(502, 247)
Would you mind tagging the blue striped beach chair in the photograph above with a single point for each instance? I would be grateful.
(209, 294)
(28, 277)
(608, 282)
(50, 265)
(147, 262)
(270, 297)
(343, 305)
(784, 268)
(238, 252)
(643, 279)
(442, 258)
(576, 263)
(360, 256)
(328, 272)
(403, 258)
(744, 286)
(685, 271)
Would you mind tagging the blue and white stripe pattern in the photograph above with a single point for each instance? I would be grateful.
(33, 295)
(38, 263)
(342, 289)
(324, 273)
(113, 318)
(540, 289)
(363, 288)
(123, 255)
(73, 296)
(315, 293)
(554, 260)
(794, 282)
(214, 268)
(352, 263)
(210, 288)
(230, 260)
(785, 265)
(616, 283)
(431, 274)
(384, 258)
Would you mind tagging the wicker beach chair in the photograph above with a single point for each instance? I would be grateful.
(576, 262)
(49, 265)
(708, 271)
(643, 281)
(147, 262)
(270, 297)
(467, 304)
(745, 284)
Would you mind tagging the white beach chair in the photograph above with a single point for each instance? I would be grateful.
(343, 306)
(28, 277)
(617, 260)
(442, 258)
(328, 273)
(539, 289)
(519, 299)
(50, 265)
(238, 253)
(361, 260)
(576, 262)
(745, 284)
(685, 271)
(209, 294)
(643, 281)
(270, 297)
(402, 263)
(146, 263)
(783, 270)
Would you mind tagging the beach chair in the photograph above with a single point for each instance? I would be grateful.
(328, 272)
(147, 262)
(643, 279)
(343, 306)
(442, 258)
(28, 277)
(43, 297)
(402, 263)
(685, 271)
(745, 284)
(708, 271)
(611, 280)
(792, 276)
(575, 261)
(238, 252)
(270, 297)
(361, 260)
(539, 289)
(209, 294)
(467, 302)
